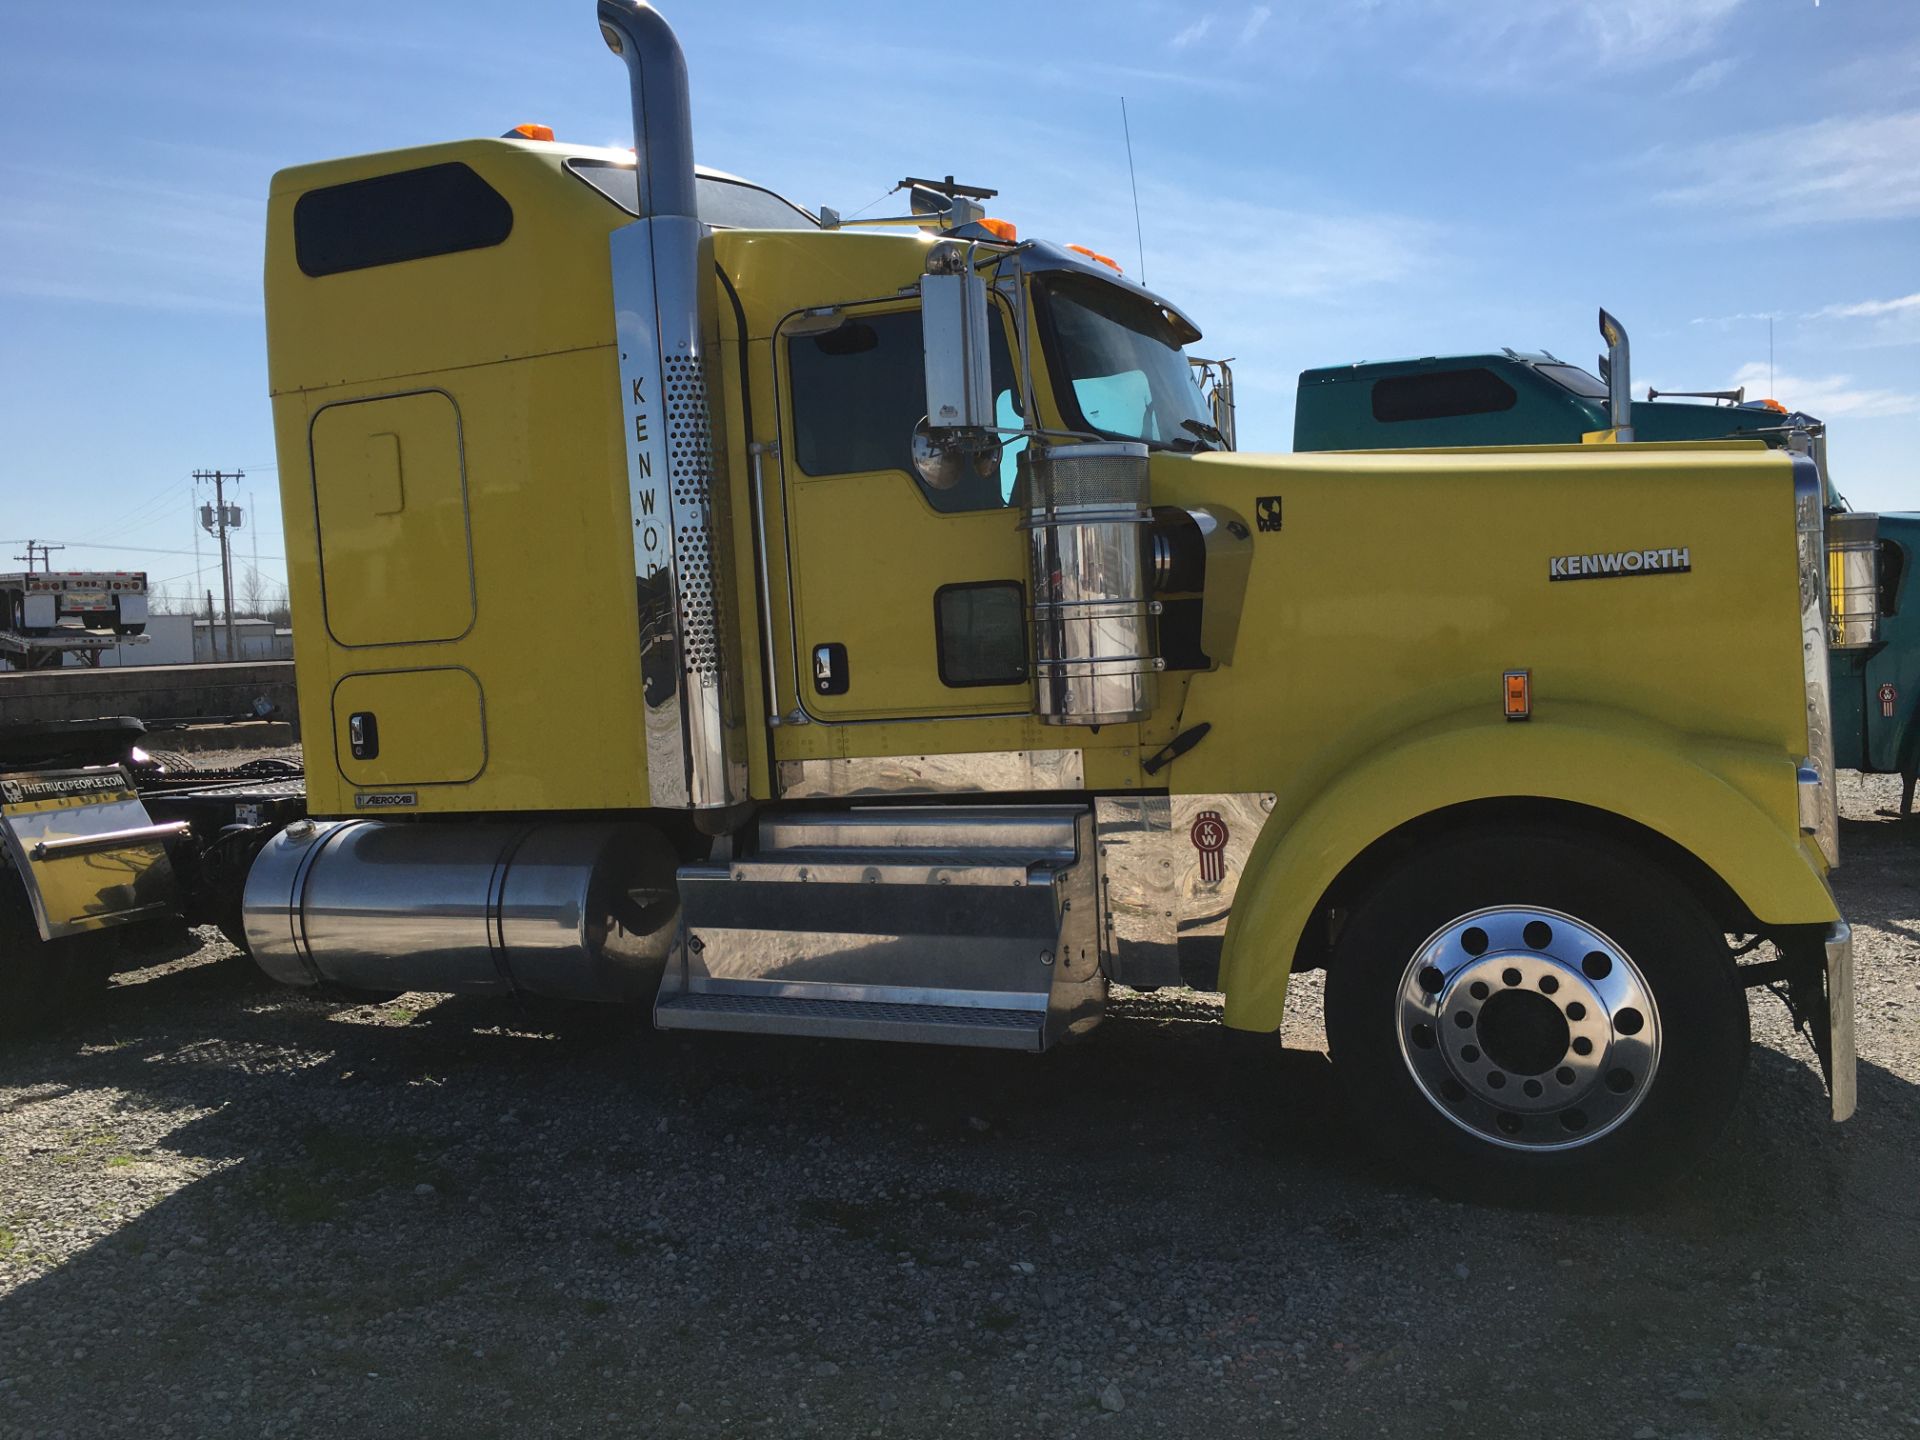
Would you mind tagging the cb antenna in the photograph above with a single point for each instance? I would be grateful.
(1138, 240)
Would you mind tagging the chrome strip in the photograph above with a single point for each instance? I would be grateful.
(1164, 899)
(1839, 948)
(758, 450)
(1819, 805)
(679, 515)
(1003, 771)
(108, 840)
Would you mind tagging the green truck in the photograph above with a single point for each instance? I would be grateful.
(1513, 397)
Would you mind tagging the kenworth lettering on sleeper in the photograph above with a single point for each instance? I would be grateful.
(647, 549)
(1617, 563)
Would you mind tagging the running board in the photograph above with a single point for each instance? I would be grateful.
(947, 925)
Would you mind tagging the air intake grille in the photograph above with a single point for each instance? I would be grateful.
(1063, 479)
(690, 470)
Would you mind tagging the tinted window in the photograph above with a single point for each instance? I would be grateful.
(1439, 394)
(982, 633)
(1573, 378)
(746, 207)
(858, 392)
(1121, 353)
(730, 204)
(410, 215)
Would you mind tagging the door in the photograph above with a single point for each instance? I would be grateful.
(390, 500)
(908, 601)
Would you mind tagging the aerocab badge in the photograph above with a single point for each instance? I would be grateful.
(1617, 564)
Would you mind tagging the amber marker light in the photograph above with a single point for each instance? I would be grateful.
(1518, 690)
(531, 132)
(1092, 254)
(1003, 229)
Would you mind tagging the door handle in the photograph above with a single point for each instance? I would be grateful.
(363, 735)
(830, 669)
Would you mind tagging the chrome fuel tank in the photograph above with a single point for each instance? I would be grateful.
(575, 911)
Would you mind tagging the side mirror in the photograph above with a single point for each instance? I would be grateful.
(953, 318)
(959, 367)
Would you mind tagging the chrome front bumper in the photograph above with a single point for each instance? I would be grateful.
(1842, 1063)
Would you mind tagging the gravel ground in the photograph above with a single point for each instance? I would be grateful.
(227, 1209)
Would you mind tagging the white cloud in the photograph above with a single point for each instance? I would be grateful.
(1257, 19)
(109, 238)
(1708, 75)
(1222, 257)
(1194, 33)
(1519, 41)
(1904, 305)
(1742, 318)
(1895, 321)
(1849, 168)
(1829, 397)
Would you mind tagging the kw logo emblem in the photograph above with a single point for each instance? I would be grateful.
(1266, 512)
(1209, 836)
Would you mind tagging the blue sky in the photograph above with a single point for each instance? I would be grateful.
(1318, 182)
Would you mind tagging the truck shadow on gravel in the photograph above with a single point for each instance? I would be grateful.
(429, 1216)
(231, 1208)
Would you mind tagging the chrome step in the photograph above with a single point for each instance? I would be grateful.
(898, 831)
(855, 1020)
(957, 925)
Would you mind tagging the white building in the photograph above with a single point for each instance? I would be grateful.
(169, 642)
(252, 640)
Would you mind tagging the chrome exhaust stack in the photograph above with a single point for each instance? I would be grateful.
(1616, 368)
(661, 263)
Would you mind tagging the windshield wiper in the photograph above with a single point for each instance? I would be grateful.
(1209, 433)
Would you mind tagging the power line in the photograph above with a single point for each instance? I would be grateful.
(144, 512)
(133, 549)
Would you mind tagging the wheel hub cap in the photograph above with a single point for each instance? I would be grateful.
(1528, 1028)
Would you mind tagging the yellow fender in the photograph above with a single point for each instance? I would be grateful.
(1698, 792)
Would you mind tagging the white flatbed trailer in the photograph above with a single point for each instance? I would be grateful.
(47, 615)
(40, 652)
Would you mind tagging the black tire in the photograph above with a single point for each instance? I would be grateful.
(139, 629)
(1604, 1125)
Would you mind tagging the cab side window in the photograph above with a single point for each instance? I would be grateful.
(858, 391)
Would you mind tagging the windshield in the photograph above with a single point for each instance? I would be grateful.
(1126, 375)
(1572, 377)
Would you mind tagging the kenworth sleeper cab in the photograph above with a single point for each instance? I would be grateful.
(949, 669)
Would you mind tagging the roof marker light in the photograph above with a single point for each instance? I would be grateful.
(529, 131)
(1094, 255)
(1001, 229)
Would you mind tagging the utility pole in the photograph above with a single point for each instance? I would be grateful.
(34, 548)
(217, 519)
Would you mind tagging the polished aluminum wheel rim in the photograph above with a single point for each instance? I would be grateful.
(1528, 1028)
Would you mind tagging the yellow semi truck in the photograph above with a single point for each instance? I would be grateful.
(946, 667)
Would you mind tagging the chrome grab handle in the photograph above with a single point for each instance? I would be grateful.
(108, 840)
(759, 450)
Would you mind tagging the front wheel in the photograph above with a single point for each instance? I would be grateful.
(1536, 1017)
